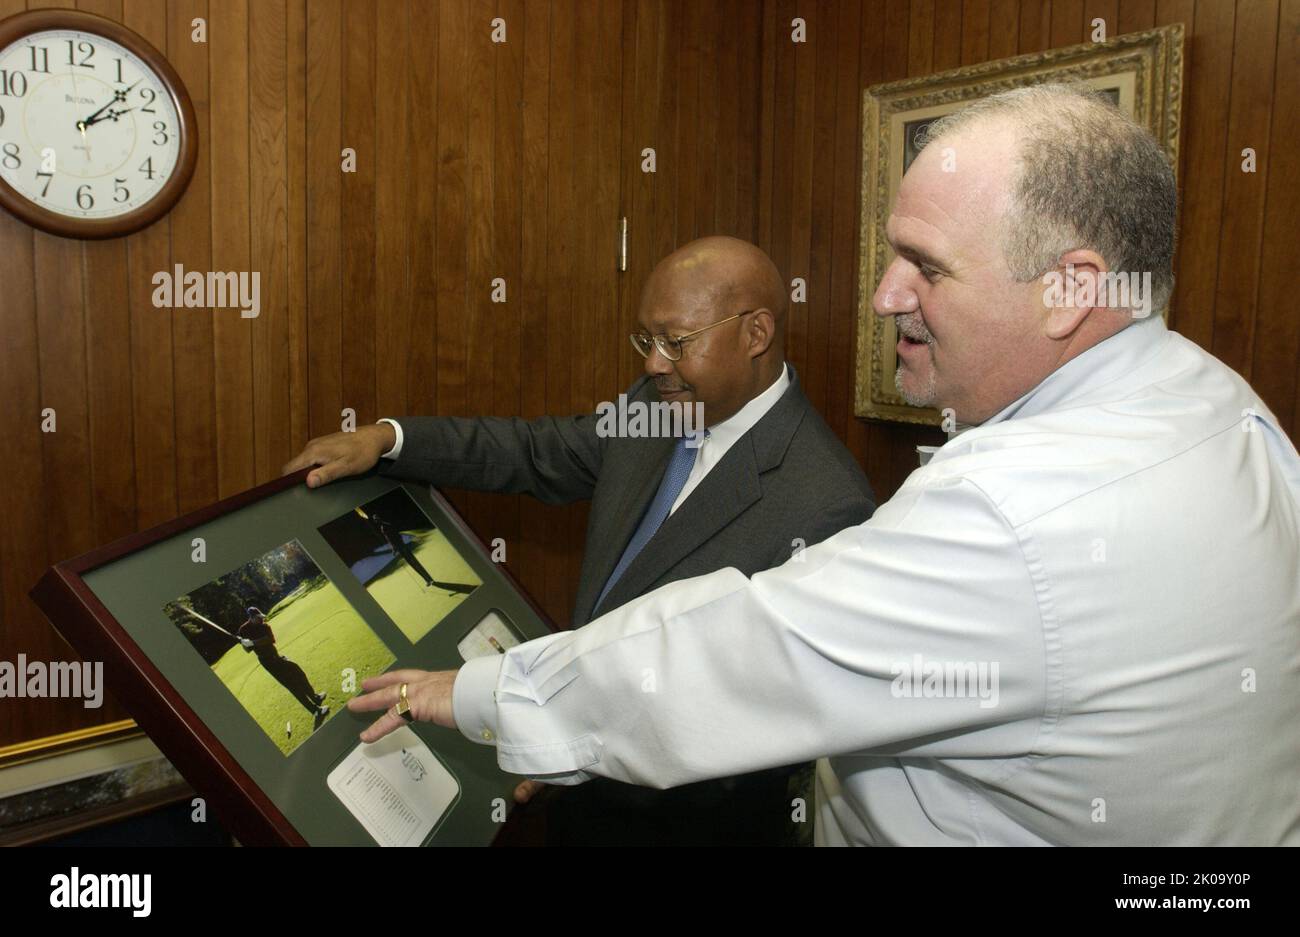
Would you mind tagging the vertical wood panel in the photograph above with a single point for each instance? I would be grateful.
(323, 203)
(734, 90)
(796, 250)
(422, 179)
(194, 405)
(947, 50)
(709, 105)
(296, 159)
(975, 17)
(1067, 23)
(920, 38)
(684, 172)
(1137, 15)
(749, 148)
(1205, 160)
(268, 235)
(1004, 28)
(452, 208)
(669, 38)
(814, 377)
(850, 37)
(1035, 25)
(364, 359)
(393, 144)
(1275, 364)
(1249, 121)
(231, 333)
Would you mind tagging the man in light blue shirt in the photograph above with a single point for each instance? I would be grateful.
(1078, 623)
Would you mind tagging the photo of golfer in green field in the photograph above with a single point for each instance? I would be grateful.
(281, 637)
(406, 564)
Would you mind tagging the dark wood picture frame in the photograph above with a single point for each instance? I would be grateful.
(19, 25)
(158, 708)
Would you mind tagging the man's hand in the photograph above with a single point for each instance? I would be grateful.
(428, 692)
(526, 789)
(343, 454)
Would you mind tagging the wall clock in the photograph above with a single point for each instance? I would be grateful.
(97, 132)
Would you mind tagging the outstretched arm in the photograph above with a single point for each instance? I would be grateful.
(721, 675)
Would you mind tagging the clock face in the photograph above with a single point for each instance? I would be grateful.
(87, 128)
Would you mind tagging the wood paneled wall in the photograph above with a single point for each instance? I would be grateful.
(516, 160)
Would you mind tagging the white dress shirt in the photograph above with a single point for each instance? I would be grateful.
(1111, 565)
(712, 448)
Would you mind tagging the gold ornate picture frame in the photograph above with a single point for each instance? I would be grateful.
(1142, 72)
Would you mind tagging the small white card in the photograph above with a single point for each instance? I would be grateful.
(490, 636)
(395, 788)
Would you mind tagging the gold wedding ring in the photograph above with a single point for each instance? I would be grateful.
(404, 706)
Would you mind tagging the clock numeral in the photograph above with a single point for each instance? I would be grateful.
(10, 160)
(147, 168)
(150, 94)
(82, 46)
(41, 63)
(12, 84)
(161, 130)
(122, 190)
(2, 116)
(48, 177)
(85, 201)
(120, 79)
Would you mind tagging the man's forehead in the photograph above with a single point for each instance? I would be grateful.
(671, 301)
(954, 190)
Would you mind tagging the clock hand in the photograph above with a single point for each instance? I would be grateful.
(117, 96)
(111, 115)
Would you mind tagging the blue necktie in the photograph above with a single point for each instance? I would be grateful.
(674, 480)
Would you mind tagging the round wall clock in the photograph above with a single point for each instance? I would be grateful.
(97, 132)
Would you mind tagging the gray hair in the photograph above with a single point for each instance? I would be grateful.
(1086, 175)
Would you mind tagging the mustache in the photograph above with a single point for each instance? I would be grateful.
(664, 387)
(912, 326)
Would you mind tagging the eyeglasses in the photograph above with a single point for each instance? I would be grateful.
(671, 346)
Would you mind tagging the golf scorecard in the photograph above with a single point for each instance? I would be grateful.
(235, 636)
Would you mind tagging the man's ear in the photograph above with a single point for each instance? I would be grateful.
(1073, 290)
(760, 331)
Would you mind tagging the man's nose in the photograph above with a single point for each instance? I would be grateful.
(894, 296)
(656, 363)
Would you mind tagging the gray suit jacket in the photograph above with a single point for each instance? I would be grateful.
(788, 480)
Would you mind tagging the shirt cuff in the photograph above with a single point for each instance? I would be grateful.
(396, 451)
(473, 699)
